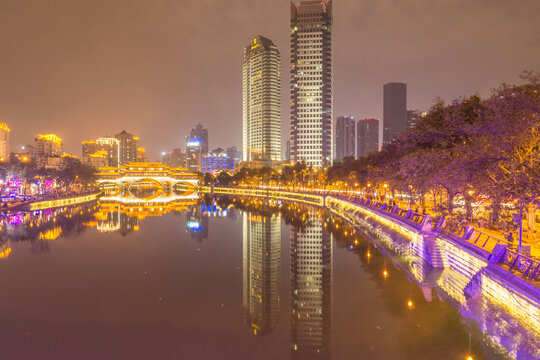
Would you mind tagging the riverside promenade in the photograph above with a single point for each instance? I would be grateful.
(468, 262)
(51, 203)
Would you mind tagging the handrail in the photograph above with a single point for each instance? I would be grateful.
(528, 267)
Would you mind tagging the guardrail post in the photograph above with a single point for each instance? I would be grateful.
(409, 214)
(441, 223)
(469, 230)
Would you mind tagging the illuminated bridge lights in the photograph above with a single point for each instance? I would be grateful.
(172, 183)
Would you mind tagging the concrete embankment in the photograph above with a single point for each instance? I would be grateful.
(54, 203)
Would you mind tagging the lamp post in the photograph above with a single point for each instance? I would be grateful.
(385, 186)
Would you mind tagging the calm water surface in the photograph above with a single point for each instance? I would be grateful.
(191, 281)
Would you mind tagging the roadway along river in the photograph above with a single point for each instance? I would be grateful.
(218, 280)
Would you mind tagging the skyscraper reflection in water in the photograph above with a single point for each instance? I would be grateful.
(261, 271)
(311, 290)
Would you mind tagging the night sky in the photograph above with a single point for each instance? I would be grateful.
(84, 69)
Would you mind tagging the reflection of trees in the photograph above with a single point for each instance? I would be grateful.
(66, 222)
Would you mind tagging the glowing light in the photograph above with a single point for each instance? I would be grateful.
(410, 304)
(385, 274)
(3, 126)
(52, 138)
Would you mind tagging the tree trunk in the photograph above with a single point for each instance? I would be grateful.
(531, 221)
(450, 204)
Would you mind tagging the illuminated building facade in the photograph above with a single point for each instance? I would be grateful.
(141, 155)
(194, 154)
(345, 137)
(411, 118)
(394, 110)
(4, 142)
(261, 98)
(367, 132)
(47, 147)
(129, 146)
(112, 147)
(200, 133)
(311, 291)
(261, 271)
(215, 161)
(311, 83)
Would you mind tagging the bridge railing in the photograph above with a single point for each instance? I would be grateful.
(409, 217)
(520, 264)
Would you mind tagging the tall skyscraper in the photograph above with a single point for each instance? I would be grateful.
(311, 83)
(200, 133)
(261, 97)
(367, 136)
(129, 145)
(4, 142)
(261, 271)
(311, 291)
(394, 110)
(345, 137)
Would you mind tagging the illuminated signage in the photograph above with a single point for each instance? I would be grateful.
(194, 142)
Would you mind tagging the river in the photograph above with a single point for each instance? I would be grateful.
(218, 280)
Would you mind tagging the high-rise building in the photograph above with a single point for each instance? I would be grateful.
(311, 291)
(200, 133)
(411, 118)
(394, 110)
(4, 142)
(193, 159)
(261, 271)
(129, 146)
(367, 136)
(345, 137)
(234, 156)
(89, 148)
(45, 147)
(311, 83)
(261, 98)
(112, 147)
(141, 155)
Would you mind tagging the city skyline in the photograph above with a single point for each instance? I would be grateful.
(92, 81)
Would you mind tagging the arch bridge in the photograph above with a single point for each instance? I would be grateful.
(121, 182)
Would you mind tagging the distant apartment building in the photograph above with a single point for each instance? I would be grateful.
(4, 142)
(394, 110)
(199, 132)
(129, 146)
(112, 147)
(345, 137)
(411, 118)
(367, 136)
(311, 83)
(261, 99)
(47, 147)
(193, 159)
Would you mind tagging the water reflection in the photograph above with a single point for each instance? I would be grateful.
(311, 290)
(261, 249)
(430, 327)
